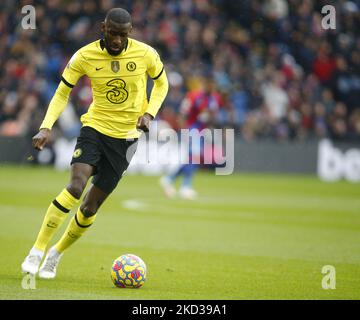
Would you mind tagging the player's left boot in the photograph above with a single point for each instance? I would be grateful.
(49, 266)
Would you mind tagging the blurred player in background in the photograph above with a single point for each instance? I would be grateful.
(118, 68)
(198, 110)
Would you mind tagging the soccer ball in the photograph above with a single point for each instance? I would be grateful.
(128, 271)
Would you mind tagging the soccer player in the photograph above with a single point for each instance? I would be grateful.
(118, 67)
(198, 110)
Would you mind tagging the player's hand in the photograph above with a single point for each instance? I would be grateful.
(40, 139)
(144, 122)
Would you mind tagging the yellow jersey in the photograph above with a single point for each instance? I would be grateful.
(118, 86)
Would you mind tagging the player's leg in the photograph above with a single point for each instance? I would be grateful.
(109, 172)
(167, 182)
(186, 190)
(63, 203)
(173, 176)
(85, 158)
(57, 213)
(77, 226)
(83, 218)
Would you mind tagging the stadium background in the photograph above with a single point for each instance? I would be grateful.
(286, 81)
(287, 78)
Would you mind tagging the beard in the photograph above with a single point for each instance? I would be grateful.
(113, 52)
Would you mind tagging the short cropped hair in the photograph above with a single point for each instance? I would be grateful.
(118, 15)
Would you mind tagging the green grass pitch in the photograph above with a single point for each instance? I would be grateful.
(248, 236)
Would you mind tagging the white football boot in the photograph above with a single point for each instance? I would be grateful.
(48, 267)
(188, 193)
(168, 187)
(32, 261)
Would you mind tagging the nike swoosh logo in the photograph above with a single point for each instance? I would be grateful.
(97, 69)
(51, 225)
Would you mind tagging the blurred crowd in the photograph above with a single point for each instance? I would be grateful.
(280, 74)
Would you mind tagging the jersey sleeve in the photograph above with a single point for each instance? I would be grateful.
(155, 66)
(74, 70)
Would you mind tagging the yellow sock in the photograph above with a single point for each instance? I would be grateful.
(76, 228)
(54, 217)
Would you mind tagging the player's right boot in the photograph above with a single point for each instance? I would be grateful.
(168, 187)
(32, 261)
(48, 267)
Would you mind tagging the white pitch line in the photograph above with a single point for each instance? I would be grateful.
(133, 204)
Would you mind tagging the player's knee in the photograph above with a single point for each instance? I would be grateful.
(91, 206)
(76, 187)
(88, 209)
